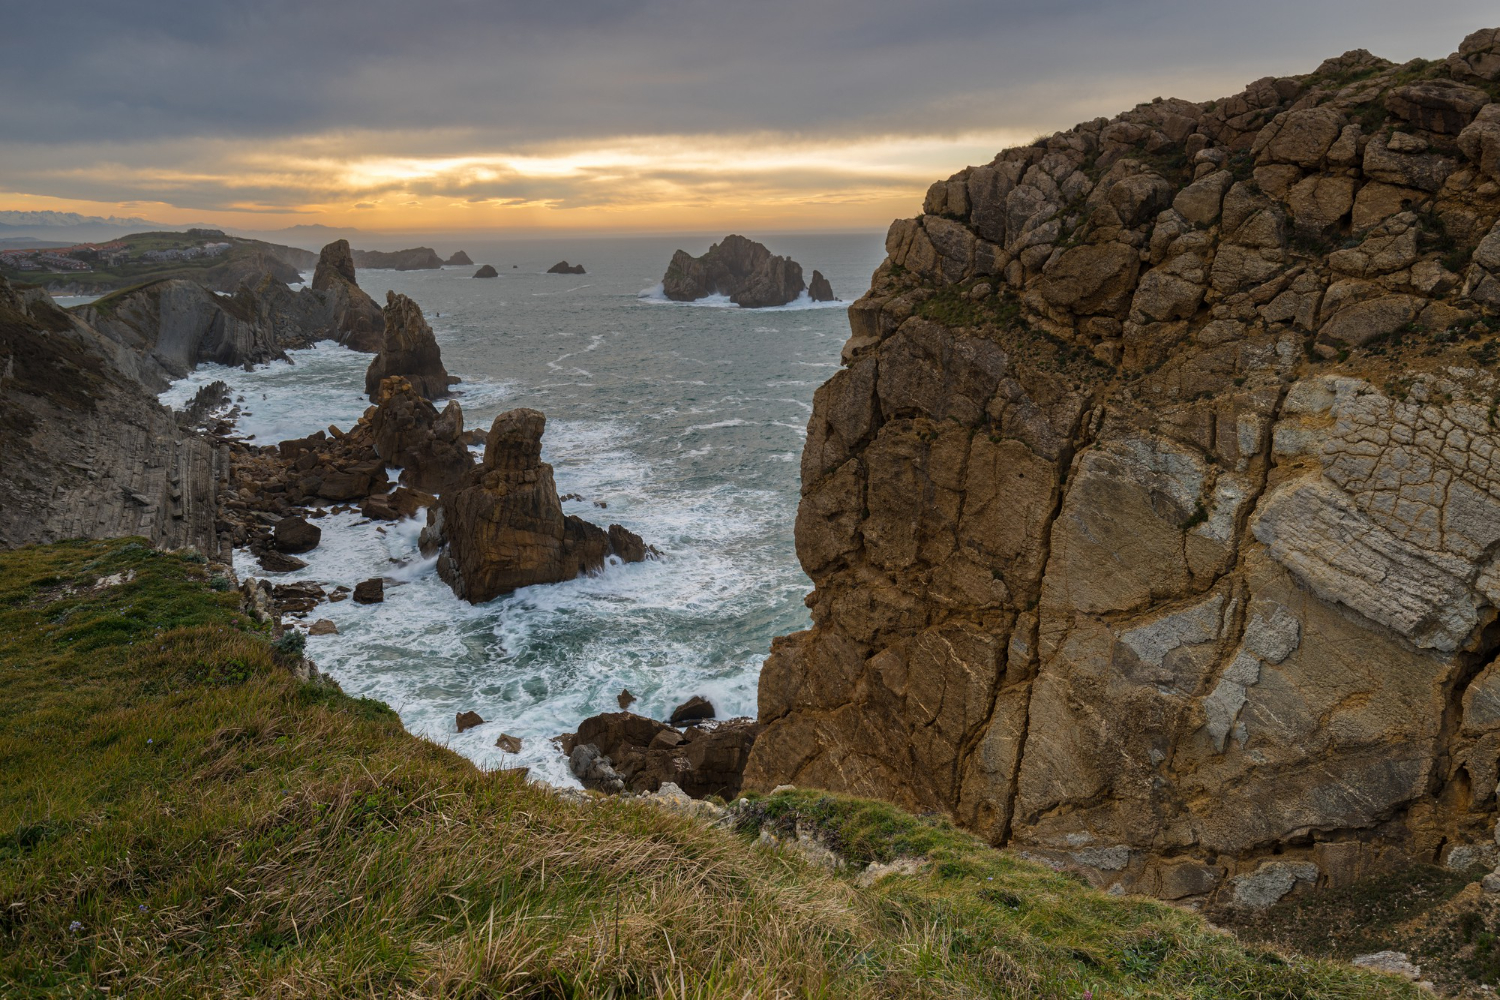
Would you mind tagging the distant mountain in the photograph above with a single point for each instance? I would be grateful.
(32, 219)
(70, 227)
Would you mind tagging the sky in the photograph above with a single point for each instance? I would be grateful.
(607, 115)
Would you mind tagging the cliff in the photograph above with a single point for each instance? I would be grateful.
(1152, 519)
(85, 450)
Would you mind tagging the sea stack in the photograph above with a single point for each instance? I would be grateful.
(819, 290)
(459, 259)
(742, 269)
(353, 317)
(410, 350)
(427, 446)
(563, 267)
(507, 529)
(487, 271)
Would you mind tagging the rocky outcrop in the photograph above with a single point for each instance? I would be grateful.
(487, 271)
(85, 450)
(742, 269)
(427, 446)
(350, 316)
(819, 290)
(563, 267)
(167, 328)
(624, 752)
(413, 259)
(410, 350)
(507, 529)
(459, 259)
(1151, 519)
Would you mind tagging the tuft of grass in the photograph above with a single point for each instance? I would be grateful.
(180, 816)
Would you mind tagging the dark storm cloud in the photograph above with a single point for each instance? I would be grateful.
(526, 72)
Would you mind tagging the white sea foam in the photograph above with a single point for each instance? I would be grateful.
(675, 424)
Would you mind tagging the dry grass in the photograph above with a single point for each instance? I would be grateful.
(180, 817)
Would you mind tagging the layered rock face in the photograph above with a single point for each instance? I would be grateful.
(353, 318)
(507, 529)
(85, 451)
(409, 350)
(425, 445)
(742, 269)
(1152, 518)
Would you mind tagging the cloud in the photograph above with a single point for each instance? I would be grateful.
(343, 102)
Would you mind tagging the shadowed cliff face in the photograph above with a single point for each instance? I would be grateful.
(1152, 519)
(85, 451)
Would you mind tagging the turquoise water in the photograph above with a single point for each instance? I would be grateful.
(686, 420)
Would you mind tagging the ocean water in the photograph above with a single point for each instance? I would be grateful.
(687, 420)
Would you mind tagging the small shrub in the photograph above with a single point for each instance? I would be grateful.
(291, 644)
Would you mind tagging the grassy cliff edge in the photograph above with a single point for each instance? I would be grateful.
(181, 816)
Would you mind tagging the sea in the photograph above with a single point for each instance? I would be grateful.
(682, 422)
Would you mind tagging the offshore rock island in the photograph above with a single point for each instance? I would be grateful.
(745, 271)
(1153, 517)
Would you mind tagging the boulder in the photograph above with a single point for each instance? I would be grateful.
(507, 529)
(487, 271)
(695, 709)
(294, 535)
(1478, 57)
(370, 591)
(459, 259)
(1442, 106)
(619, 751)
(508, 743)
(742, 269)
(819, 290)
(563, 267)
(468, 720)
(625, 698)
(427, 446)
(409, 350)
(323, 627)
(275, 562)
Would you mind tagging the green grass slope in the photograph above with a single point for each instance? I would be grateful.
(181, 817)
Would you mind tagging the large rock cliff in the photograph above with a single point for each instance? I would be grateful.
(85, 451)
(1152, 519)
(742, 269)
(410, 350)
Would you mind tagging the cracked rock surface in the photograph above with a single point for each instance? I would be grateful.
(1153, 518)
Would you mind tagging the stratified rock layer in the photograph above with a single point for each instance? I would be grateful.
(507, 529)
(742, 269)
(1153, 520)
(410, 351)
(85, 451)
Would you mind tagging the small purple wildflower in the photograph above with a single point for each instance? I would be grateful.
(75, 926)
(142, 907)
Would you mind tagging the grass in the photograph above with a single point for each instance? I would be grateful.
(180, 816)
(135, 271)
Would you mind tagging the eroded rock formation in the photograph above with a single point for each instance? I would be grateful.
(1152, 518)
(563, 267)
(507, 529)
(487, 271)
(819, 289)
(459, 259)
(622, 751)
(409, 350)
(427, 446)
(742, 269)
(353, 318)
